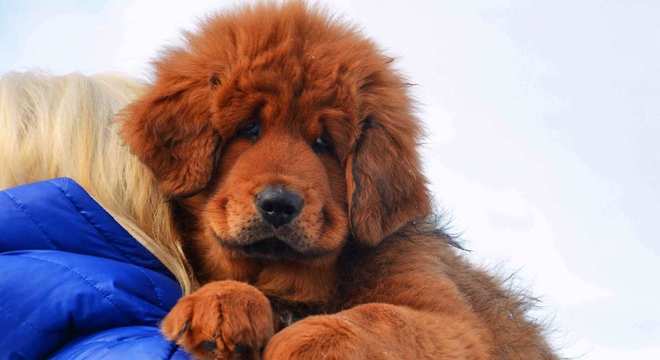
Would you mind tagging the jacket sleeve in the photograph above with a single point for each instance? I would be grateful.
(74, 284)
(52, 300)
(133, 342)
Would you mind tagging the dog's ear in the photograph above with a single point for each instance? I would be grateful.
(386, 188)
(169, 129)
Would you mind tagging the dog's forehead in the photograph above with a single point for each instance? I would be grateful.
(302, 90)
(306, 79)
(296, 67)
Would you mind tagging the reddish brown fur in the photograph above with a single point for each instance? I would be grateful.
(383, 283)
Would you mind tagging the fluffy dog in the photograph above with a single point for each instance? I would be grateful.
(287, 145)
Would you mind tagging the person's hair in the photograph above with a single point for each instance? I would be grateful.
(64, 126)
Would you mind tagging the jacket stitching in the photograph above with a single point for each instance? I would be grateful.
(27, 214)
(104, 236)
(86, 280)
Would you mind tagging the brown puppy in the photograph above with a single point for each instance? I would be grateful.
(288, 145)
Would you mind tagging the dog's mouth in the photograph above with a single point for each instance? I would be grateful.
(270, 248)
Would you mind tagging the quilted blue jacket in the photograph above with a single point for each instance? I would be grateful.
(74, 284)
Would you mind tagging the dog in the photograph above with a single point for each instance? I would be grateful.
(286, 144)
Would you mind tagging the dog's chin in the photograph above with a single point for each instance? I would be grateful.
(271, 249)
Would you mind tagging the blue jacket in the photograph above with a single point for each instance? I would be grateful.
(74, 284)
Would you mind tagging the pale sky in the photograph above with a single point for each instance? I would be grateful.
(543, 121)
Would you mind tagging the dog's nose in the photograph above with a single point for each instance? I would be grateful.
(278, 206)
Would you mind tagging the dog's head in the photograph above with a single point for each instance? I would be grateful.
(286, 134)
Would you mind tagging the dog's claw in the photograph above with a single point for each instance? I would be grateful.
(184, 329)
(208, 345)
(242, 349)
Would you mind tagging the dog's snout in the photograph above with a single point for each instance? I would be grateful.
(278, 206)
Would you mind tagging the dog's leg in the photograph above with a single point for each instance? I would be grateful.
(382, 331)
(402, 304)
(221, 320)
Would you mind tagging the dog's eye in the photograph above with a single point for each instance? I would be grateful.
(321, 145)
(251, 130)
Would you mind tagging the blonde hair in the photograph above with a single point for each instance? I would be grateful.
(53, 126)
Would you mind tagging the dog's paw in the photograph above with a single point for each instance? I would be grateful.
(221, 320)
(328, 337)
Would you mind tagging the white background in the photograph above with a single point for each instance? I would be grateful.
(543, 121)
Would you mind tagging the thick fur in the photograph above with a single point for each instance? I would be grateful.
(374, 280)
